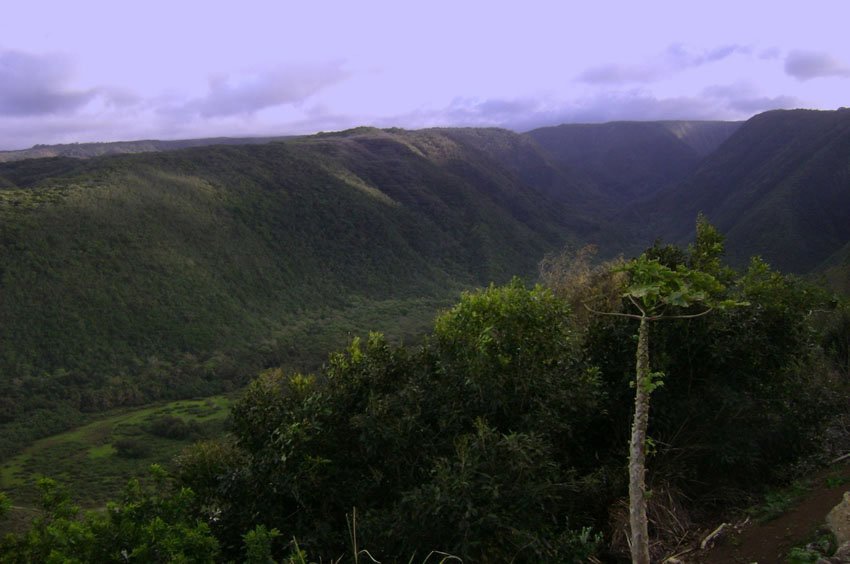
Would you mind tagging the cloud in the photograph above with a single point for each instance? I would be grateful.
(32, 85)
(769, 53)
(470, 111)
(120, 97)
(247, 94)
(744, 98)
(674, 59)
(617, 74)
(637, 105)
(806, 65)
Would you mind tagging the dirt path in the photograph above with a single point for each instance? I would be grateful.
(769, 543)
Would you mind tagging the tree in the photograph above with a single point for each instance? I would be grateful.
(153, 523)
(474, 443)
(656, 292)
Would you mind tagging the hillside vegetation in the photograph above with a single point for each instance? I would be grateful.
(160, 275)
(500, 438)
(496, 432)
(627, 160)
(779, 187)
(130, 278)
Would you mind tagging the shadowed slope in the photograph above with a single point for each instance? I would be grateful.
(779, 187)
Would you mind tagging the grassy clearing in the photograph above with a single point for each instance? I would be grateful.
(88, 461)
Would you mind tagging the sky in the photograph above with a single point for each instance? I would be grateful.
(91, 70)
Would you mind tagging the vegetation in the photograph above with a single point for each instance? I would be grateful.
(88, 461)
(777, 187)
(137, 278)
(129, 279)
(150, 524)
(658, 292)
(89, 150)
(630, 160)
(461, 445)
(501, 436)
(497, 433)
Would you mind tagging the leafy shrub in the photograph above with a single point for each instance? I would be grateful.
(153, 523)
(471, 444)
(131, 448)
(171, 427)
(745, 389)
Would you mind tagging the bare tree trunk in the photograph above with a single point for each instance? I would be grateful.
(637, 451)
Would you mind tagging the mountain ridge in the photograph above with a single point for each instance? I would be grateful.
(779, 186)
(89, 150)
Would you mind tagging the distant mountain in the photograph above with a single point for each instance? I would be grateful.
(779, 187)
(629, 160)
(619, 184)
(89, 150)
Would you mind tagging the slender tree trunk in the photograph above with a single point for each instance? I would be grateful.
(637, 452)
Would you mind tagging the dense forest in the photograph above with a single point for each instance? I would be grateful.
(128, 279)
(501, 437)
(497, 430)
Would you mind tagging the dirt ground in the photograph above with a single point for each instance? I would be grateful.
(770, 542)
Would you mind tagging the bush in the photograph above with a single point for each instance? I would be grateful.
(472, 444)
(171, 427)
(131, 448)
(744, 391)
(153, 523)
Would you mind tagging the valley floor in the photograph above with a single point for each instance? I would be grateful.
(89, 459)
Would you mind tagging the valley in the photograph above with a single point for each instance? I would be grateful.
(152, 281)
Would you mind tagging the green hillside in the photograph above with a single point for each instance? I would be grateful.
(779, 187)
(136, 277)
(836, 270)
(136, 290)
(171, 274)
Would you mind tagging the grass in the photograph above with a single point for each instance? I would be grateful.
(836, 479)
(821, 545)
(101, 451)
(87, 461)
(777, 502)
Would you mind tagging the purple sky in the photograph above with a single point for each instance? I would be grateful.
(91, 70)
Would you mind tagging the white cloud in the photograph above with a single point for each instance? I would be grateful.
(247, 94)
(675, 59)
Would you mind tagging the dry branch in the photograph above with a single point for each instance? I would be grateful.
(713, 536)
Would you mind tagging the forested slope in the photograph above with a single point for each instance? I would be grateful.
(779, 187)
(165, 274)
(114, 269)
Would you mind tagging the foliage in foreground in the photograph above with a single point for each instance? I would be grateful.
(503, 436)
(150, 524)
(463, 445)
(508, 427)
